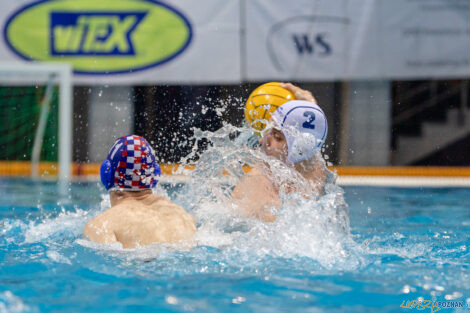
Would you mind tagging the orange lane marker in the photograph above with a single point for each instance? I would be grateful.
(23, 168)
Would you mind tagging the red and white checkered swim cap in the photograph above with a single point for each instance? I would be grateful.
(130, 165)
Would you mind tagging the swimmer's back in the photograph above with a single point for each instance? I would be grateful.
(141, 222)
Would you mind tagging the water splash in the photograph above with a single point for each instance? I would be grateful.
(66, 225)
(9, 303)
(308, 224)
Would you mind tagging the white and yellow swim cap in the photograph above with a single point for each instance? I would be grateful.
(304, 125)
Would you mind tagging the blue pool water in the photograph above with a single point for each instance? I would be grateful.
(404, 244)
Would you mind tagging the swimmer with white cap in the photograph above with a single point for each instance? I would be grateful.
(137, 216)
(298, 131)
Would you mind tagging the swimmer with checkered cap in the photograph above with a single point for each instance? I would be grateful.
(130, 165)
(137, 216)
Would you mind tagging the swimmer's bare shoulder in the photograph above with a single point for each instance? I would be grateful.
(101, 227)
(255, 194)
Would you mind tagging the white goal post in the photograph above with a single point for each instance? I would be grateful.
(58, 74)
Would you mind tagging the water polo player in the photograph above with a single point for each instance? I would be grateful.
(137, 216)
(295, 134)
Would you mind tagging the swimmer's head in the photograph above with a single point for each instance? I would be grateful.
(304, 127)
(273, 142)
(130, 165)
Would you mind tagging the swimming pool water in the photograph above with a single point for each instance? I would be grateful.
(405, 244)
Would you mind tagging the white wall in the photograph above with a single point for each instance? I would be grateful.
(110, 115)
(368, 125)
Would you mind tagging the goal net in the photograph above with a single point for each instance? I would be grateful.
(35, 120)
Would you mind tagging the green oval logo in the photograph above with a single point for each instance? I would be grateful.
(99, 37)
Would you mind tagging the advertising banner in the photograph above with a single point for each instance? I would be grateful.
(349, 39)
(425, 38)
(134, 42)
(302, 40)
(127, 41)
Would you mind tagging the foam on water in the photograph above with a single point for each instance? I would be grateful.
(67, 224)
(9, 303)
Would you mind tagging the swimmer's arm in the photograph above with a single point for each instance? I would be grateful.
(299, 93)
(100, 231)
(315, 174)
(319, 177)
(254, 194)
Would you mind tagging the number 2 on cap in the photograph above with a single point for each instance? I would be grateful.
(310, 119)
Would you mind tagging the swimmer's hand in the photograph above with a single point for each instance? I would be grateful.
(299, 93)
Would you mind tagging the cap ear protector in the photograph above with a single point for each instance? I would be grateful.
(156, 169)
(107, 174)
(157, 173)
(301, 147)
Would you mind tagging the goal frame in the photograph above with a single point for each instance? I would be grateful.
(26, 73)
